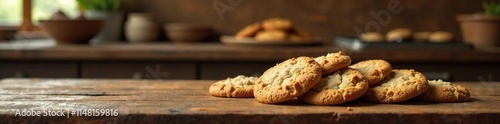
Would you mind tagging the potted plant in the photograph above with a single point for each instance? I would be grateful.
(107, 10)
(482, 29)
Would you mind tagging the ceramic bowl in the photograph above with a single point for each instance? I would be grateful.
(72, 31)
(187, 32)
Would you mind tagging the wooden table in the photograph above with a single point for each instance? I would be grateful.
(188, 101)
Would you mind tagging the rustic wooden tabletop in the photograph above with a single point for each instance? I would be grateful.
(188, 101)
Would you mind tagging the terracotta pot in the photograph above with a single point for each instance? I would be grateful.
(72, 31)
(187, 32)
(480, 30)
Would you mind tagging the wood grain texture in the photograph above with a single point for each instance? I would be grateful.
(188, 101)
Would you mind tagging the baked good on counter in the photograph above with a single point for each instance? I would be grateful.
(340, 87)
(373, 70)
(295, 38)
(296, 33)
(329, 80)
(271, 35)
(400, 85)
(274, 29)
(398, 35)
(421, 36)
(440, 37)
(239, 86)
(441, 91)
(287, 80)
(249, 31)
(332, 62)
(372, 37)
(276, 24)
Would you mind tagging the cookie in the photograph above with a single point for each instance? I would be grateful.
(271, 35)
(340, 87)
(276, 24)
(440, 91)
(420, 37)
(333, 62)
(398, 35)
(304, 36)
(287, 80)
(239, 86)
(400, 85)
(373, 70)
(440, 37)
(295, 38)
(249, 31)
(372, 37)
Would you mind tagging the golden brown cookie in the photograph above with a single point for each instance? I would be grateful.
(304, 36)
(372, 37)
(271, 35)
(287, 80)
(277, 24)
(421, 36)
(295, 38)
(400, 85)
(340, 87)
(373, 70)
(440, 91)
(249, 31)
(398, 35)
(239, 86)
(440, 37)
(333, 62)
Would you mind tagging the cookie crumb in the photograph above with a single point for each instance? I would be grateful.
(349, 109)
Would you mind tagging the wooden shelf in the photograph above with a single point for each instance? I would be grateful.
(221, 52)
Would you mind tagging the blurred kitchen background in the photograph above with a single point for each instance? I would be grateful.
(159, 58)
(325, 18)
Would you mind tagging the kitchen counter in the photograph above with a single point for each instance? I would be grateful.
(215, 60)
(188, 101)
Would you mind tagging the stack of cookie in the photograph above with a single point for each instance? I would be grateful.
(273, 29)
(332, 80)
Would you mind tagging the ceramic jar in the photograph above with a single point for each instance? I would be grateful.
(141, 27)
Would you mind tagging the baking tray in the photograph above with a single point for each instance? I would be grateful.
(356, 44)
(231, 40)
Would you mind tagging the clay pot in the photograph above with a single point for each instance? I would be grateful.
(72, 31)
(187, 32)
(141, 27)
(480, 30)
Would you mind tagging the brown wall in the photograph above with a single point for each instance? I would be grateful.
(326, 18)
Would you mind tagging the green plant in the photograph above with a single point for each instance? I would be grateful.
(100, 5)
(491, 8)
